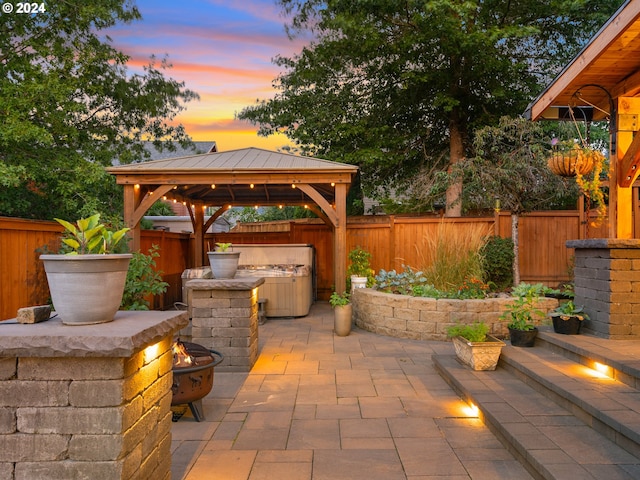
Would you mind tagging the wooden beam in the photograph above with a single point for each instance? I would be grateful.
(629, 166)
(148, 201)
(607, 35)
(321, 201)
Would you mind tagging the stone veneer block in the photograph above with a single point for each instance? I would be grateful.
(607, 283)
(420, 318)
(90, 401)
(225, 318)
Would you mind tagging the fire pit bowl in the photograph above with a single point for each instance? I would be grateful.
(193, 375)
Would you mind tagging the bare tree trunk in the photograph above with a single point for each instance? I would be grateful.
(516, 249)
(456, 153)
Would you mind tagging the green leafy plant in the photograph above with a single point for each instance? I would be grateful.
(360, 265)
(143, 280)
(223, 247)
(401, 283)
(339, 299)
(88, 235)
(528, 289)
(497, 262)
(568, 310)
(473, 332)
(520, 313)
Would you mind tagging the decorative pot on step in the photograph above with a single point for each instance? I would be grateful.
(86, 289)
(522, 338)
(478, 355)
(571, 326)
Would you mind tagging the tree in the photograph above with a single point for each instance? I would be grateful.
(510, 167)
(69, 106)
(395, 86)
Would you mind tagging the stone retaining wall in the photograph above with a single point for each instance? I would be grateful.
(423, 318)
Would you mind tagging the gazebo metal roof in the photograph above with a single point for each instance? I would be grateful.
(245, 177)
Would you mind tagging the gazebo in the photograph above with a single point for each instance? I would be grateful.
(245, 177)
(602, 81)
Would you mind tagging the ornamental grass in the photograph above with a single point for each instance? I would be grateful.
(451, 257)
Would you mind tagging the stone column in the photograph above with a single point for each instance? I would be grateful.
(224, 317)
(91, 401)
(607, 283)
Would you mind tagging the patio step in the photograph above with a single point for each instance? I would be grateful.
(558, 417)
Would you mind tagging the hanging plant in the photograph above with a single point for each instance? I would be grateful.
(570, 160)
(590, 186)
(573, 159)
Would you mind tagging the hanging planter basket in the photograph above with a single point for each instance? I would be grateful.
(567, 163)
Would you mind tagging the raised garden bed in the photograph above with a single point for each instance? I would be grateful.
(423, 318)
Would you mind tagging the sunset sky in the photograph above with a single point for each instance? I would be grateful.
(222, 50)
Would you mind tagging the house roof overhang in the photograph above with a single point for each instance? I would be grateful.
(607, 68)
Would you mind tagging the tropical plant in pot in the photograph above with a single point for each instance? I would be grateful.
(223, 261)
(87, 283)
(567, 318)
(520, 315)
(342, 311)
(474, 346)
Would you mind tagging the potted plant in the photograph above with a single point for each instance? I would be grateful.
(224, 263)
(567, 318)
(87, 283)
(474, 346)
(519, 313)
(342, 309)
(360, 273)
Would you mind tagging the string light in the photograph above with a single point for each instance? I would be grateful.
(251, 185)
(213, 186)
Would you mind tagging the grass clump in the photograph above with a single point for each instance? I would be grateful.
(453, 255)
(473, 332)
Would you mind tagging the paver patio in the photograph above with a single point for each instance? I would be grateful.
(317, 406)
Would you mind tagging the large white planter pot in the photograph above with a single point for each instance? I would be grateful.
(86, 289)
(223, 264)
(358, 282)
(342, 319)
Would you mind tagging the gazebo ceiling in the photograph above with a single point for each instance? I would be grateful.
(608, 67)
(244, 177)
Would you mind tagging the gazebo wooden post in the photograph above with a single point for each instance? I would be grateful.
(198, 233)
(131, 202)
(340, 238)
(620, 198)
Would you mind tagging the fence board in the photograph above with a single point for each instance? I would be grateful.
(391, 240)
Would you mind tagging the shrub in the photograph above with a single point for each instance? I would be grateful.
(142, 280)
(497, 262)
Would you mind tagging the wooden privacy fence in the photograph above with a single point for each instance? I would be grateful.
(393, 241)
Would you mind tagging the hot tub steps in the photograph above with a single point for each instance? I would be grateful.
(560, 418)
